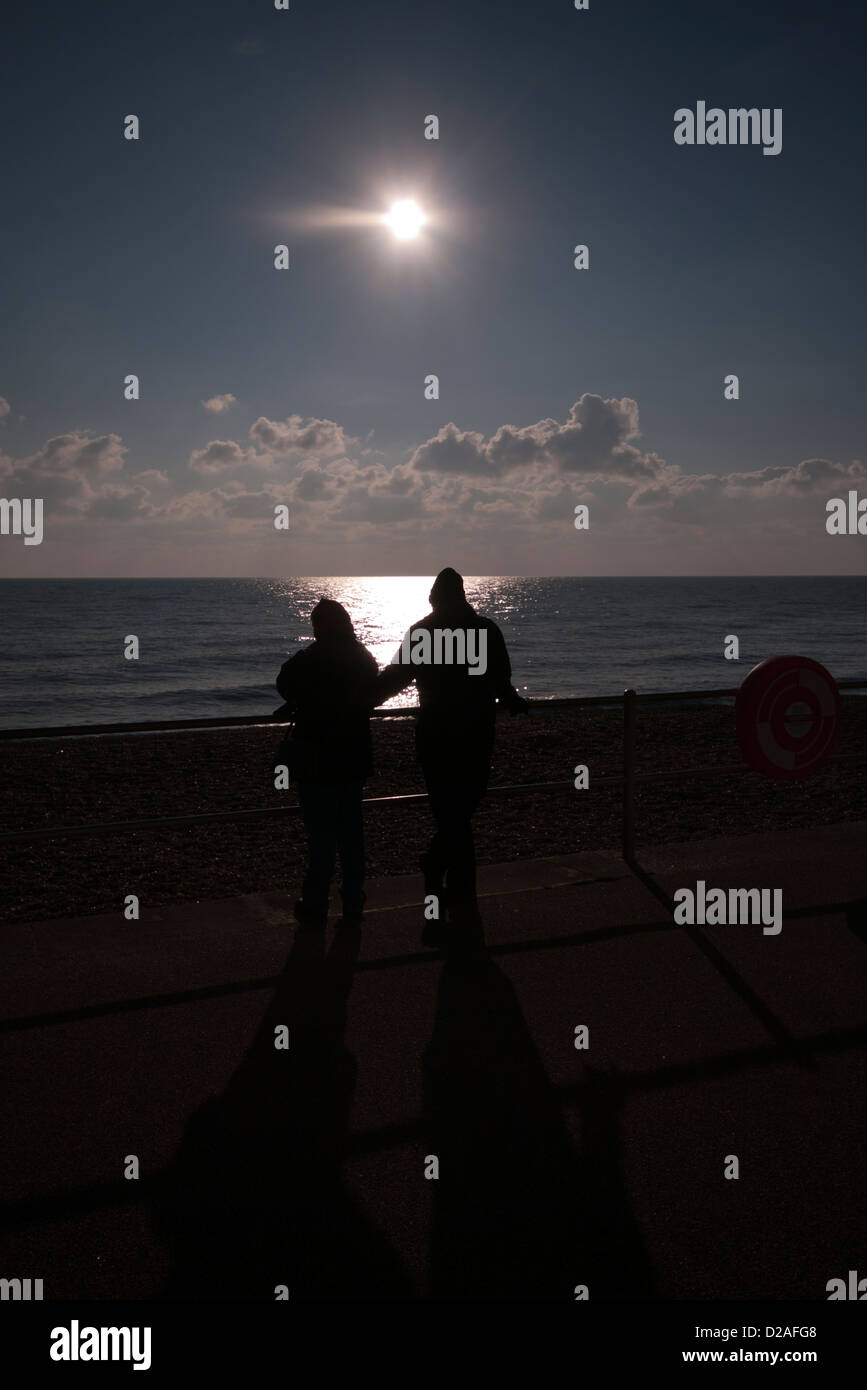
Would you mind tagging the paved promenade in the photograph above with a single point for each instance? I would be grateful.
(305, 1166)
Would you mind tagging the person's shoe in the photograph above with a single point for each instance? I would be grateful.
(353, 916)
(308, 917)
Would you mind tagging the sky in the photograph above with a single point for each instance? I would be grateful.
(306, 387)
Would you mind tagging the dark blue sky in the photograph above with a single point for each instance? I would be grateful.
(156, 257)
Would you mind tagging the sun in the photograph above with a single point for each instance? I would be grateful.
(405, 219)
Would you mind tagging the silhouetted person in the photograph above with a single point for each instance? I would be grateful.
(454, 737)
(331, 689)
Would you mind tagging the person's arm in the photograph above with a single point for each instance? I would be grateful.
(370, 693)
(288, 681)
(500, 668)
(396, 676)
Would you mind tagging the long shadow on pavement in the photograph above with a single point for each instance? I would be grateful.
(254, 1198)
(520, 1210)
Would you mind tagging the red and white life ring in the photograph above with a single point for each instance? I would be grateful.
(774, 735)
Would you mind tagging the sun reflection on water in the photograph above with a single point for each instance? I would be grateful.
(381, 608)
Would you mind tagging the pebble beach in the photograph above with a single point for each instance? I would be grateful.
(89, 780)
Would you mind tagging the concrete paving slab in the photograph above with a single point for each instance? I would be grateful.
(558, 1166)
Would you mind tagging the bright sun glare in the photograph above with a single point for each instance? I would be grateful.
(405, 219)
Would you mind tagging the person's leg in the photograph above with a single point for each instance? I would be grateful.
(456, 765)
(461, 852)
(317, 808)
(458, 929)
(350, 844)
(468, 781)
(432, 861)
(438, 803)
(437, 859)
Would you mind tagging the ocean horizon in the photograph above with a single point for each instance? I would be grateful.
(212, 647)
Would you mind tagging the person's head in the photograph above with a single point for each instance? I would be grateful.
(447, 590)
(330, 619)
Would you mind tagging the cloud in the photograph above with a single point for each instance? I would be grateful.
(594, 438)
(808, 476)
(516, 488)
(76, 475)
(219, 404)
(151, 477)
(5, 407)
(66, 471)
(73, 454)
(251, 48)
(298, 436)
(246, 505)
(703, 498)
(314, 485)
(224, 456)
(387, 497)
(452, 451)
(115, 502)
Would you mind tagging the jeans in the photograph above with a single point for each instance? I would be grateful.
(456, 769)
(334, 822)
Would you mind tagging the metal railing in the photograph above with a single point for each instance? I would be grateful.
(255, 721)
(628, 701)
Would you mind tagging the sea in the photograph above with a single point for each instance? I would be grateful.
(212, 647)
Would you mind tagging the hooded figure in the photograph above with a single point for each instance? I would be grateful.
(454, 739)
(330, 688)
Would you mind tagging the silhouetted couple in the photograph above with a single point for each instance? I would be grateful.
(461, 667)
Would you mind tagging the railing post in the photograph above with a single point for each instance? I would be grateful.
(629, 776)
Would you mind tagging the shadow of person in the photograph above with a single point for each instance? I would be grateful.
(856, 918)
(519, 1211)
(254, 1198)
